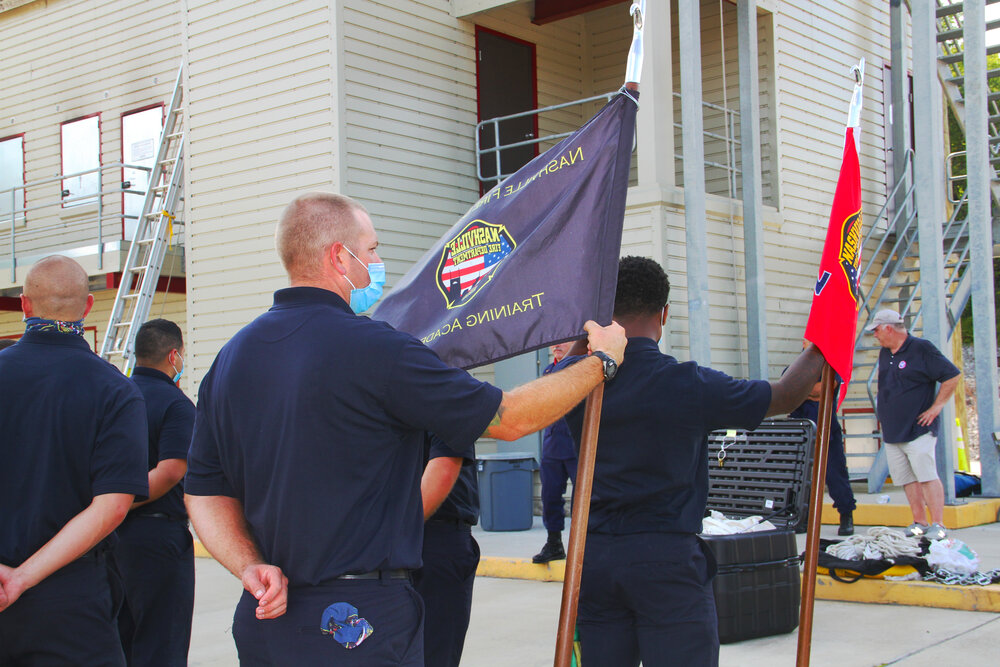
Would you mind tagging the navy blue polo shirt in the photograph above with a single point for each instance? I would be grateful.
(651, 471)
(462, 504)
(810, 410)
(314, 418)
(170, 415)
(557, 441)
(907, 385)
(73, 427)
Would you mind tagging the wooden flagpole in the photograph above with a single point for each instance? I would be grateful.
(578, 526)
(824, 419)
(591, 425)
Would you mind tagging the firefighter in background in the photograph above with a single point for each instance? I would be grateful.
(558, 465)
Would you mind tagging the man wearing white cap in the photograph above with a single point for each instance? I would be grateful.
(909, 369)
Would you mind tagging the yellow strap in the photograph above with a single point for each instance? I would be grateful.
(170, 224)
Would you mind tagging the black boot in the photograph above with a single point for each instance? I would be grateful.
(553, 549)
(846, 524)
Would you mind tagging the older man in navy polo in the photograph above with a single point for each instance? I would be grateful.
(305, 468)
(909, 370)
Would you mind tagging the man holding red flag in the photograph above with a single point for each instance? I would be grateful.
(646, 590)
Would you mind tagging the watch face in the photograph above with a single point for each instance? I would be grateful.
(610, 366)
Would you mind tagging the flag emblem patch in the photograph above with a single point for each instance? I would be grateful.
(850, 254)
(469, 259)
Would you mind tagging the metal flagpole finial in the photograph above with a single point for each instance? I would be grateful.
(633, 68)
(854, 112)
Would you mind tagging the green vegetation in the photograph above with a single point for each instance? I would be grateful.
(957, 143)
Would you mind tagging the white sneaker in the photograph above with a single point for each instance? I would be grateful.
(936, 532)
(916, 530)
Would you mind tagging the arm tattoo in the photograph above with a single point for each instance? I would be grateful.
(498, 417)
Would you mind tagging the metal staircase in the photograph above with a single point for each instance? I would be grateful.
(951, 72)
(892, 269)
(153, 232)
(891, 244)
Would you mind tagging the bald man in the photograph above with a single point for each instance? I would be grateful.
(74, 459)
(304, 473)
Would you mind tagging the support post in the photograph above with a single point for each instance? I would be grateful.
(900, 106)
(655, 118)
(689, 33)
(929, 182)
(753, 225)
(981, 241)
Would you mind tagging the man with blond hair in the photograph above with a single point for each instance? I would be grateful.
(74, 458)
(304, 472)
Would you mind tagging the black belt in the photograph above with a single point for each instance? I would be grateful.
(458, 523)
(378, 574)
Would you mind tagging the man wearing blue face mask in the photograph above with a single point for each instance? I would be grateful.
(155, 554)
(304, 473)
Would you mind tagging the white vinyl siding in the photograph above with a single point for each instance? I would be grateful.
(377, 99)
(609, 36)
(261, 119)
(720, 53)
(410, 109)
(815, 46)
(68, 59)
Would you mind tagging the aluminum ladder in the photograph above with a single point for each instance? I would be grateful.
(153, 231)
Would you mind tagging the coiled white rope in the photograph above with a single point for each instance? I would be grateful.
(879, 543)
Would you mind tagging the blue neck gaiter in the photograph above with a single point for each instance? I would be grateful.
(40, 324)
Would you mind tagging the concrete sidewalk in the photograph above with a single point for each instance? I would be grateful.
(514, 625)
(514, 619)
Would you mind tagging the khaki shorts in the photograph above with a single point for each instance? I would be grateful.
(912, 461)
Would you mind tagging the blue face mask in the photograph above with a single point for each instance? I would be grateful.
(366, 297)
(178, 373)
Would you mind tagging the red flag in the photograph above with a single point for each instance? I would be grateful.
(833, 318)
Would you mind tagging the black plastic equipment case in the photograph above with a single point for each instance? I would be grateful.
(764, 472)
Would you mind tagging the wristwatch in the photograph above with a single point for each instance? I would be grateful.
(610, 366)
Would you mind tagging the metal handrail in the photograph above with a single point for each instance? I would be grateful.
(497, 147)
(890, 225)
(63, 177)
(19, 213)
(955, 233)
(731, 142)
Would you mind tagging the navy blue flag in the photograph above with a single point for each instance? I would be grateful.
(533, 259)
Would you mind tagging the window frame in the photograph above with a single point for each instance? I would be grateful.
(24, 179)
(62, 155)
(121, 142)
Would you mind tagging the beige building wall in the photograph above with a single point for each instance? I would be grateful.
(378, 99)
(72, 58)
(262, 128)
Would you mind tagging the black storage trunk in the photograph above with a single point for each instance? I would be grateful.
(764, 472)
